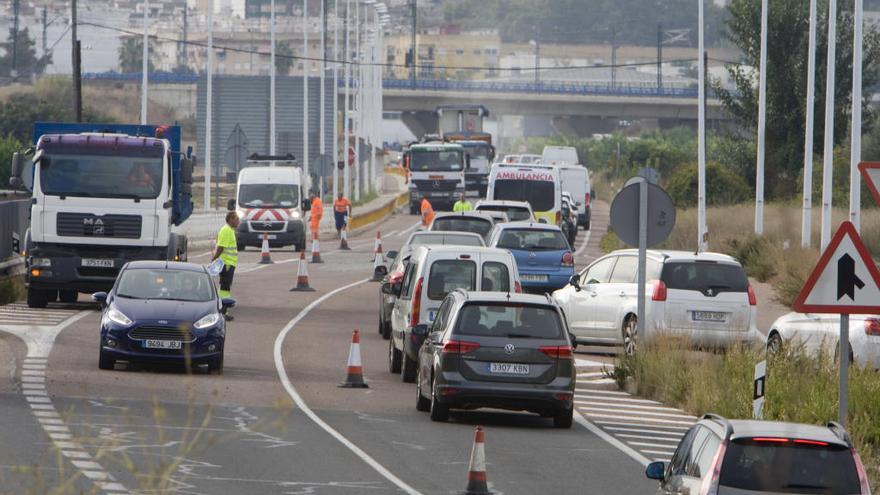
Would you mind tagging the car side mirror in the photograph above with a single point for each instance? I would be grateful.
(420, 330)
(230, 205)
(656, 471)
(391, 289)
(391, 254)
(100, 297)
(575, 281)
(227, 302)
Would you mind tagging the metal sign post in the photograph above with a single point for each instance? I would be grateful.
(643, 256)
(843, 388)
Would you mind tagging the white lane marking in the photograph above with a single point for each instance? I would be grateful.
(652, 431)
(660, 452)
(641, 419)
(600, 381)
(592, 374)
(671, 448)
(202, 255)
(605, 392)
(633, 407)
(639, 414)
(76, 454)
(581, 363)
(301, 403)
(609, 400)
(673, 440)
(584, 243)
(626, 449)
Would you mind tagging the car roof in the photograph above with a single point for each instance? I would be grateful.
(528, 225)
(468, 214)
(443, 249)
(503, 202)
(164, 265)
(512, 297)
(426, 233)
(671, 255)
(281, 175)
(749, 428)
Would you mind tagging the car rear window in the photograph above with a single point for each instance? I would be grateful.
(533, 240)
(788, 467)
(702, 276)
(448, 275)
(446, 239)
(514, 213)
(509, 320)
(476, 225)
(496, 277)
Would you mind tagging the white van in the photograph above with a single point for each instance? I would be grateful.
(271, 201)
(536, 183)
(433, 272)
(560, 155)
(575, 180)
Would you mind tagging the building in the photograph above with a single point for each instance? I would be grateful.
(452, 56)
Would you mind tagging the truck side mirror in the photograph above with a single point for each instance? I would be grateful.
(467, 161)
(15, 174)
(230, 205)
(186, 169)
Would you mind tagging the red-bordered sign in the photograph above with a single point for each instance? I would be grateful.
(844, 281)
(871, 175)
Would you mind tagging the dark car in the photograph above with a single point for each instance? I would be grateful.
(734, 457)
(499, 350)
(163, 312)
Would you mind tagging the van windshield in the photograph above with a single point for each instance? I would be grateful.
(509, 320)
(540, 194)
(268, 195)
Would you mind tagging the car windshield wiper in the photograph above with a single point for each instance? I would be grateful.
(127, 296)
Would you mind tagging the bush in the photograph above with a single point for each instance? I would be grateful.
(757, 255)
(610, 242)
(723, 186)
(8, 145)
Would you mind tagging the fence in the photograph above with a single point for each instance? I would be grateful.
(13, 224)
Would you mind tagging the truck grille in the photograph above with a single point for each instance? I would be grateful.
(264, 226)
(162, 333)
(88, 225)
(436, 185)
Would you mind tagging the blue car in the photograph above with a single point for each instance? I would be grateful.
(543, 255)
(163, 312)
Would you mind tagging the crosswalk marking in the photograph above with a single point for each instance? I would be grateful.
(19, 313)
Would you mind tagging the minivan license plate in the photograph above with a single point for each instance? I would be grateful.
(709, 316)
(508, 368)
(97, 262)
(162, 344)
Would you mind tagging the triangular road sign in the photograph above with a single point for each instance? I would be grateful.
(871, 175)
(844, 281)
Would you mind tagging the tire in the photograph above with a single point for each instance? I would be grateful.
(422, 404)
(68, 296)
(408, 370)
(394, 357)
(564, 419)
(439, 412)
(384, 328)
(215, 365)
(587, 225)
(105, 362)
(774, 344)
(413, 210)
(38, 298)
(630, 335)
(241, 247)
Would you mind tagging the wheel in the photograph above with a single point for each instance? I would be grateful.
(68, 296)
(630, 335)
(38, 298)
(439, 412)
(422, 404)
(384, 328)
(587, 225)
(774, 344)
(241, 247)
(215, 365)
(564, 419)
(394, 357)
(381, 323)
(408, 370)
(413, 210)
(105, 362)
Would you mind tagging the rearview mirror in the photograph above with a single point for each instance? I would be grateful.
(230, 205)
(99, 297)
(391, 289)
(227, 302)
(15, 174)
(186, 169)
(435, 337)
(420, 330)
(656, 470)
(391, 254)
(575, 281)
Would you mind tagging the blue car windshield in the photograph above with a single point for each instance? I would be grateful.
(175, 285)
(532, 240)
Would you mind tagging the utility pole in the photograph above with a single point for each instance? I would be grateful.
(855, 182)
(347, 108)
(703, 229)
(537, 53)
(77, 70)
(613, 57)
(828, 152)
(659, 57)
(806, 229)
(145, 63)
(45, 26)
(335, 97)
(412, 44)
(209, 104)
(272, 132)
(181, 55)
(321, 117)
(13, 71)
(762, 124)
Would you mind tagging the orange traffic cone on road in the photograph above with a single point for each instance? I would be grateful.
(343, 239)
(378, 245)
(354, 375)
(316, 252)
(265, 257)
(477, 482)
(302, 275)
(379, 268)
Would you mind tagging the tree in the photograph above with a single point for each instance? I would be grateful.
(787, 42)
(131, 55)
(283, 58)
(26, 61)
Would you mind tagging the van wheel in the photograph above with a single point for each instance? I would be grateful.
(408, 370)
(422, 404)
(38, 298)
(563, 419)
(630, 335)
(394, 357)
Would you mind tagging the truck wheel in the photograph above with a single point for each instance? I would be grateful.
(68, 296)
(38, 298)
(394, 357)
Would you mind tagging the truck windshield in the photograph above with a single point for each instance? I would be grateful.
(101, 176)
(436, 161)
(478, 151)
(540, 194)
(268, 195)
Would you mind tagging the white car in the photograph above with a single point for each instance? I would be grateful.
(705, 297)
(816, 332)
(517, 211)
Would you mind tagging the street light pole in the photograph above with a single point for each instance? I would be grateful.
(358, 101)
(762, 124)
(305, 26)
(703, 230)
(321, 137)
(145, 63)
(345, 121)
(209, 77)
(855, 182)
(806, 231)
(272, 132)
(828, 152)
(336, 97)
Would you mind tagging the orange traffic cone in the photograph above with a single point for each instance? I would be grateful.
(265, 257)
(354, 376)
(378, 245)
(379, 268)
(316, 252)
(477, 482)
(343, 239)
(302, 275)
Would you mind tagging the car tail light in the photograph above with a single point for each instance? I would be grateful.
(659, 293)
(770, 439)
(558, 218)
(459, 347)
(864, 486)
(710, 483)
(557, 352)
(753, 299)
(567, 259)
(811, 442)
(417, 303)
(586, 199)
(872, 326)
(517, 287)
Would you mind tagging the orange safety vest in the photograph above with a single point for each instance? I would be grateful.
(427, 212)
(317, 211)
(341, 205)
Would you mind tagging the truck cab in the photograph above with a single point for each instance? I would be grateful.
(479, 156)
(436, 171)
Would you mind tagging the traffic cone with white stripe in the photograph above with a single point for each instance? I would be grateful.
(316, 252)
(377, 246)
(379, 268)
(477, 482)
(354, 375)
(343, 238)
(302, 275)
(265, 257)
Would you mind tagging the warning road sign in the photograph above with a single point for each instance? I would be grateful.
(844, 281)
(871, 175)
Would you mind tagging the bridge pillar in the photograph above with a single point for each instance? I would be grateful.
(420, 122)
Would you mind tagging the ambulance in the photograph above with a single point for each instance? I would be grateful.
(535, 183)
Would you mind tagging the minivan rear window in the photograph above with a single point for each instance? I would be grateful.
(532, 240)
(448, 275)
(445, 239)
(509, 320)
(514, 213)
(788, 467)
(463, 224)
(705, 276)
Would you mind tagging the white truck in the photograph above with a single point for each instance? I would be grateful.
(436, 171)
(271, 198)
(102, 195)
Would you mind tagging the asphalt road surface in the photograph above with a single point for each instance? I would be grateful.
(275, 420)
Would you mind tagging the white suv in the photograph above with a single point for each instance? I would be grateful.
(703, 296)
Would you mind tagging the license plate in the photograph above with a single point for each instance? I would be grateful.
(508, 369)
(271, 237)
(97, 262)
(431, 315)
(709, 316)
(162, 344)
(534, 278)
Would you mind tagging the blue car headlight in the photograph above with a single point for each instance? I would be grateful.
(208, 320)
(117, 317)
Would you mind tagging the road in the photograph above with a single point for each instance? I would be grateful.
(275, 421)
